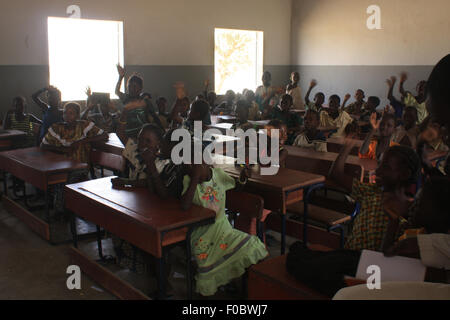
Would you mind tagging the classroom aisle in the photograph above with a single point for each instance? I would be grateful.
(31, 268)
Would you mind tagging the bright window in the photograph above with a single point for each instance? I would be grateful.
(238, 59)
(84, 53)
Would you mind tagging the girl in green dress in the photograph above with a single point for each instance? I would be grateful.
(222, 253)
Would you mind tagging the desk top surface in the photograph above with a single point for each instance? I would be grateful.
(341, 140)
(41, 160)
(7, 134)
(367, 164)
(140, 205)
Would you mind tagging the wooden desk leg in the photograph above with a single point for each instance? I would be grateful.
(161, 277)
(99, 243)
(283, 233)
(73, 229)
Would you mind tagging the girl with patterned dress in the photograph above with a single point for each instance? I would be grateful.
(221, 252)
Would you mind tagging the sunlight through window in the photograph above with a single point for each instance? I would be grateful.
(238, 59)
(84, 53)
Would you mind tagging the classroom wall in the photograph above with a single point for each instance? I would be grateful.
(165, 40)
(331, 43)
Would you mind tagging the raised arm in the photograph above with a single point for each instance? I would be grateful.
(121, 72)
(346, 98)
(36, 98)
(311, 86)
(403, 78)
(375, 124)
(337, 173)
(391, 83)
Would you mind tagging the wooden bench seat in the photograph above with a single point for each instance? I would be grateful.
(328, 217)
(270, 280)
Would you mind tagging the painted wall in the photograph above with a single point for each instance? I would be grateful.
(331, 43)
(164, 40)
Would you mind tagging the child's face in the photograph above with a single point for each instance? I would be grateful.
(162, 105)
(333, 104)
(420, 88)
(390, 171)
(295, 77)
(148, 140)
(409, 118)
(230, 97)
(359, 95)
(311, 121)
(242, 113)
(285, 103)
(319, 99)
(387, 127)
(134, 89)
(250, 96)
(70, 115)
(211, 98)
(266, 79)
(53, 97)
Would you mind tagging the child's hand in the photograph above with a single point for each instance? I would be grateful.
(120, 70)
(88, 91)
(373, 121)
(206, 84)
(403, 77)
(313, 83)
(347, 97)
(391, 81)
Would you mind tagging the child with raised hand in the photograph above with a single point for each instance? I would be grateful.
(18, 119)
(335, 117)
(417, 101)
(319, 98)
(396, 104)
(103, 113)
(51, 108)
(374, 147)
(295, 92)
(311, 137)
(398, 170)
(407, 133)
(356, 107)
(221, 252)
(266, 95)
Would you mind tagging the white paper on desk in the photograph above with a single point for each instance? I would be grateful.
(392, 268)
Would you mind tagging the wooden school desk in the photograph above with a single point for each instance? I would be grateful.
(108, 154)
(41, 169)
(280, 190)
(113, 145)
(335, 144)
(139, 217)
(7, 138)
(309, 160)
(226, 119)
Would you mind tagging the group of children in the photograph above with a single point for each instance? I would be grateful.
(221, 252)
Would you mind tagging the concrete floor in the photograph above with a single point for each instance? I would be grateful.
(31, 268)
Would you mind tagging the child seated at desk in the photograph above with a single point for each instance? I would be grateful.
(311, 137)
(417, 101)
(406, 133)
(242, 111)
(51, 108)
(356, 108)
(18, 119)
(319, 98)
(227, 106)
(334, 117)
(221, 252)
(292, 120)
(102, 113)
(398, 170)
(374, 147)
(282, 136)
(253, 111)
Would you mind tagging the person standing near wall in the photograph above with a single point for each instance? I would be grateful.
(295, 92)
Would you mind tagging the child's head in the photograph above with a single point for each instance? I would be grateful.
(295, 77)
(372, 103)
(135, 86)
(71, 112)
(421, 88)
(149, 138)
(409, 117)
(334, 103)
(277, 124)
(242, 110)
(167, 144)
(312, 120)
(399, 168)
(199, 110)
(319, 99)
(19, 104)
(387, 125)
(53, 97)
(359, 95)
(266, 78)
(230, 96)
(249, 96)
(438, 93)
(211, 97)
(286, 102)
(161, 103)
(432, 211)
